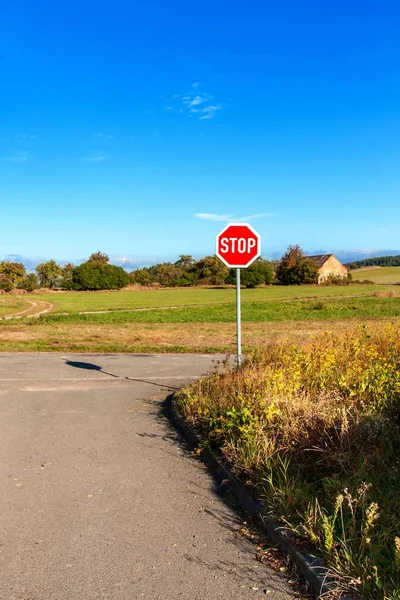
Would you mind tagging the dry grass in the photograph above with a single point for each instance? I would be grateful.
(11, 304)
(158, 337)
(389, 294)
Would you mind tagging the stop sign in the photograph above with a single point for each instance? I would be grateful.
(238, 245)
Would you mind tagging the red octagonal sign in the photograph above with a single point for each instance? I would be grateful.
(238, 245)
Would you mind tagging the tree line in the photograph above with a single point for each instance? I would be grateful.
(94, 274)
(379, 261)
(294, 268)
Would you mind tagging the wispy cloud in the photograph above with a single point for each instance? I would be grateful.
(196, 103)
(18, 157)
(213, 217)
(231, 218)
(209, 112)
(96, 157)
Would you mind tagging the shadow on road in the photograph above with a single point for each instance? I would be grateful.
(93, 367)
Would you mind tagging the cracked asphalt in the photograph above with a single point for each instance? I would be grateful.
(100, 499)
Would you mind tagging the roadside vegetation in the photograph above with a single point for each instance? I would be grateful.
(313, 429)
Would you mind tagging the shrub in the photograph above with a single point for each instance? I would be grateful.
(30, 283)
(295, 268)
(93, 275)
(6, 284)
(258, 273)
(336, 280)
(362, 282)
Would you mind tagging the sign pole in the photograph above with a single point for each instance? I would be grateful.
(238, 246)
(238, 321)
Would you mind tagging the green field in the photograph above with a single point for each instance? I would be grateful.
(378, 275)
(72, 302)
(296, 310)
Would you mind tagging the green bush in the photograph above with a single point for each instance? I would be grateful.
(6, 284)
(295, 268)
(30, 283)
(258, 273)
(337, 280)
(98, 276)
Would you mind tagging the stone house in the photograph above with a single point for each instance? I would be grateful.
(328, 265)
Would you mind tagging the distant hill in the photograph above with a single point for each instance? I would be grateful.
(377, 261)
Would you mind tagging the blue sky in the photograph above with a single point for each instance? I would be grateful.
(120, 121)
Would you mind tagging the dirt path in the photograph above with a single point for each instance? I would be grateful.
(35, 309)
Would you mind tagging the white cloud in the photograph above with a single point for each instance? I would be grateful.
(202, 105)
(96, 157)
(18, 157)
(212, 217)
(209, 112)
(230, 218)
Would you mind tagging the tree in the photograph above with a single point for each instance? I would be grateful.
(30, 283)
(141, 276)
(14, 272)
(211, 270)
(92, 275)
(6, 284)
(259, 272)
(166, 274)
(67, 272)
(185, 261)
(99, 257)
(48, 273)
(295, 268)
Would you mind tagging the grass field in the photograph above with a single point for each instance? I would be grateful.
(190, 320)
(73, 302)
(378, 275)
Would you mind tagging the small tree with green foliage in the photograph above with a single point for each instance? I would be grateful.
(140, 276)
(6, 284)
(258, 273)
(48, 273)
(295, 268)
(67, 272)
(211, 270)
(30, 283)
(13, 271)
(92, 275)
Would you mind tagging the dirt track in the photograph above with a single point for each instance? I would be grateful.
(35, 309)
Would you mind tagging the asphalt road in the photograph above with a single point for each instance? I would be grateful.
(99, 500)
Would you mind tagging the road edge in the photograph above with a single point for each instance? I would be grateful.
(311, 568)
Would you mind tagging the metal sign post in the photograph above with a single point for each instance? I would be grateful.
(238, 245)
(238, 321)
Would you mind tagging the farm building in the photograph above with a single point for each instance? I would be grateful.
(328, 266)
